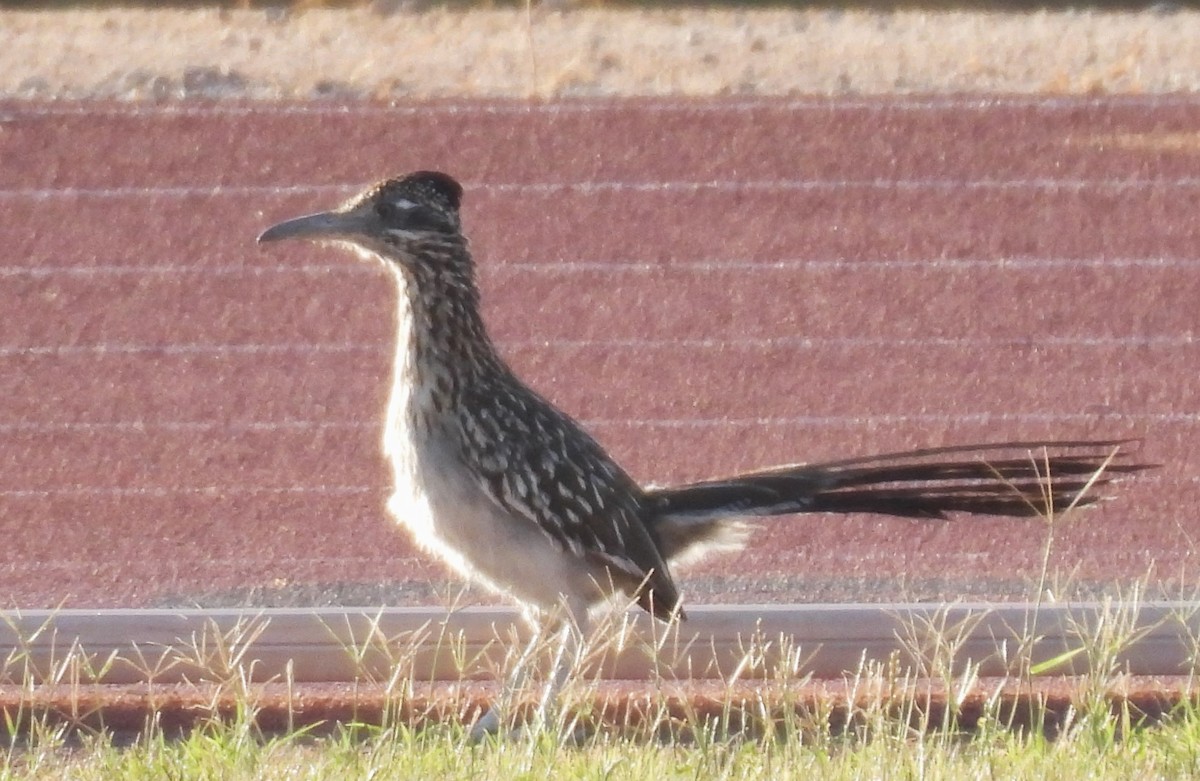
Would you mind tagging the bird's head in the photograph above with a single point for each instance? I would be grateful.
(393, 219)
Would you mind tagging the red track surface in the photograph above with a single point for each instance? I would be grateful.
(746, 706)
(709, 286)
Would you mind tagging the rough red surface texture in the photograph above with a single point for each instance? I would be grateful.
(748, 707)
(709, 286)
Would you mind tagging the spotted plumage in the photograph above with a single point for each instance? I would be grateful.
(512, 493)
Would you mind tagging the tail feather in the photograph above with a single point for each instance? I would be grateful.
(1019, 479)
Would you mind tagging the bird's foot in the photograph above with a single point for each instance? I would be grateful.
(490, 724)
(486, 726)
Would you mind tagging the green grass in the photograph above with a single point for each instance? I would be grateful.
(1087, 750)
(879, 729)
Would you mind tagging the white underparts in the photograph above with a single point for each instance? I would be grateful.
(447, 510)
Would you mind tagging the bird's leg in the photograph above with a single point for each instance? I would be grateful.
(489, 723)
(567, 657)
(568, 630)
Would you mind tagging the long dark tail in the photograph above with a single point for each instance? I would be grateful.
(1010, 479)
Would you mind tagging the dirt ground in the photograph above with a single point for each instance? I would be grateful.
(546, 52)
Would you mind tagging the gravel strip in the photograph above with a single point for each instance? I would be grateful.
(372, 52)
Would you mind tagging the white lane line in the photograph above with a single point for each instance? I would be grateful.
(216, 190)
(834, 421)
(121, 348)
(17, 110)
(493, 267)
(220, 491)
(771, 342)
(716, 185)
(1169, 341)
(143, 426)
(128, 269)
(872, 420)
(208, 490)
(771, 185)
(331, 563)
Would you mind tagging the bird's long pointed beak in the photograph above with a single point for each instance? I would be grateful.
(322, 225)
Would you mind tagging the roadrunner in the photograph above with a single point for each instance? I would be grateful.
(514, 494)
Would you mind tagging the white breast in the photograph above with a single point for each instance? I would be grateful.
(451, 517)
(447, 511)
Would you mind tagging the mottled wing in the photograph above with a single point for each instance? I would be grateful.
(538, 464)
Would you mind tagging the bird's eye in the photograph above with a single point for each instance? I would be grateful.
(386, 210)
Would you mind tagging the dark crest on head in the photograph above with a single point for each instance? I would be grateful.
(434, 185)
(425, 201)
